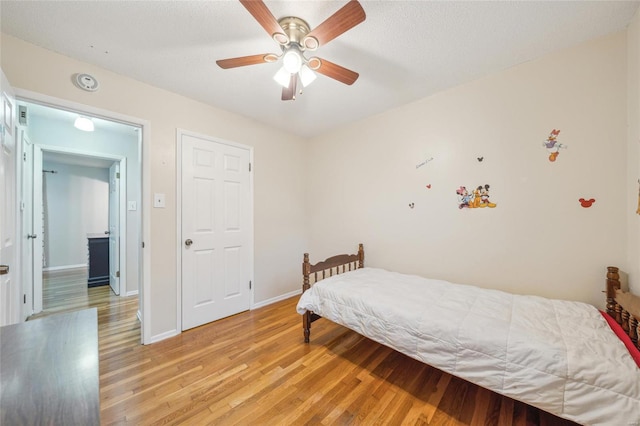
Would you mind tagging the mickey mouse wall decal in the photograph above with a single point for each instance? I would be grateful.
(478, 197)
(586, 203)
(411, 205)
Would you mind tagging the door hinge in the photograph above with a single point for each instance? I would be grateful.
(24, 156)
(143, 244)
(117, 175)
(117, 274)
(24, 298)
(249, 166)
(249, 285)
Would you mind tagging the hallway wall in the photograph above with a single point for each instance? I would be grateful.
(76, 202)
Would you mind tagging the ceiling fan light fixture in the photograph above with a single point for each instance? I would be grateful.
(83, 123)
(283, 77)
(306, 75)
(292, 60)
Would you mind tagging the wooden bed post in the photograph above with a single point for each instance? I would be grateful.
(633, 330)
(306, 317)
(629, 323)
(335, 264)
(613, 283)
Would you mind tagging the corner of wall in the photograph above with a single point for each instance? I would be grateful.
(633, 146)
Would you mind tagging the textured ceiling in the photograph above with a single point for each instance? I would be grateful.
(404, 50)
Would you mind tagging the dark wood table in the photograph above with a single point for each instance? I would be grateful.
(49, 371)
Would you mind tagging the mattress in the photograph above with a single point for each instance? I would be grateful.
(559, 356)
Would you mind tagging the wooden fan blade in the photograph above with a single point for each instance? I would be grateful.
(289, 93)
(343, 20)
(243, 61)
(263, 15)
(336, 72)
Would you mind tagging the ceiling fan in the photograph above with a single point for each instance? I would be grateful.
(296, 38)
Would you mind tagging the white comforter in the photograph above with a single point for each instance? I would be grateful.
(556, 355)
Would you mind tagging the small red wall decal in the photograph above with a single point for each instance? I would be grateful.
(586, 203)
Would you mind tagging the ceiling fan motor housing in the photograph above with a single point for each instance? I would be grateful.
(296, 30)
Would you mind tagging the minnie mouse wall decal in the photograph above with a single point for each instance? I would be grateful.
(478, 197)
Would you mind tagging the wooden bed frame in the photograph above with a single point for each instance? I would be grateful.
(333, 266)
(630, 324)
(348, 262)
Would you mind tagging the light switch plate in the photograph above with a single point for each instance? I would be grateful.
(158, 200)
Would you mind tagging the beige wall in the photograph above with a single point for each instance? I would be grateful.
(633, 158)
(538, 239)
(279, 179)
(361, 178)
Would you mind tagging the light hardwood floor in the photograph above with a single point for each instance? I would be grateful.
(254, 369)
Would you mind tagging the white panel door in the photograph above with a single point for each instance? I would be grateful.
(29, 236)
(9, 288)
(114, 228)
(216, 230)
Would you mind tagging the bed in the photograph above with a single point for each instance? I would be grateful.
(560, 356)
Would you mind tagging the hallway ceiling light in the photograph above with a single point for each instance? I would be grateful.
(84, 123)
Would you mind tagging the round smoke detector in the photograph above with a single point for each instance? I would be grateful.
(86, 82)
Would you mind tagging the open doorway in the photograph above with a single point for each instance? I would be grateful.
(72, 181)
(80, 229)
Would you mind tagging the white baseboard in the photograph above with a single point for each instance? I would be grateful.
(131, 293)
(276, 299)
(59, 268)
(163, 336)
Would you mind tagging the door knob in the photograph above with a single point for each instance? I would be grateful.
(34, 236)
(188, 242)
(4, 269)
(107, 232)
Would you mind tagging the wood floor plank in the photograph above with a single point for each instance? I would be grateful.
(254, 369)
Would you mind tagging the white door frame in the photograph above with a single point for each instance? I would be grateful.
(144, 295)
(122, 210)
(179, 134)
(25, 174)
